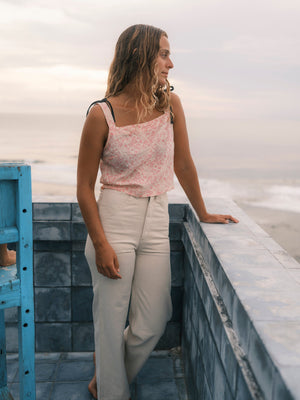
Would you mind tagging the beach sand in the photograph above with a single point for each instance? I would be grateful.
(282, 226)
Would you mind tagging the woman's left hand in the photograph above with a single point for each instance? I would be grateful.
(218, 219)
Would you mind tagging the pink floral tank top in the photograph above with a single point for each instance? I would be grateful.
(138, 159)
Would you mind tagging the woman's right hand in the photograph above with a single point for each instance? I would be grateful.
(107, 262)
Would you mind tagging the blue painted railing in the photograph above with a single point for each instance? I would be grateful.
(16, 282)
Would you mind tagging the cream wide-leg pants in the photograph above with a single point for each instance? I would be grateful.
(137, 229)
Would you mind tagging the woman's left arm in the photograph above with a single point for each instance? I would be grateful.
(185, 169)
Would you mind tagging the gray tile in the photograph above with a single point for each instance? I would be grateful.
(71, 391)
(177, 268)
(285, 259)
(76, 213)
(78, 231)
(52, 269)
(282, 306)
(51, 230)
(171, 337)
(83, 337)
(11, 334)
(53, 246)
(74, 370)
(53, 337)
(176, 245)
(82, 299)
(12, 368)
(176, 295)
(81, 275)
(199, 375)
(52, 304)
(229, 360)
(11, 314)
(181, 388)
(287, 386)
(261, 363)
(241, 323)
(79, 245)
(281, 339)
(44, 372)
(206, 297)
(264, 279)
(221, 388)
(12, 357)
(47, 357)
(14, 391)
(79, 356)
(175, 230)
(209, 353)
(191, 386)
(43, 390)
(216, 325)
(206, 390)
(177, 211)
(242, 390)
(161, 390)
(51, 211)
(156, 369)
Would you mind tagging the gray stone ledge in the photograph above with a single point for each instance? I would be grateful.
(51, 211)
(51, 230)
(261, 295)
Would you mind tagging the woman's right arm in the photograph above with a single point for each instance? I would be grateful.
(92, 142)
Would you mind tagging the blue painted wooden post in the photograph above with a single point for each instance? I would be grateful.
(16, 283)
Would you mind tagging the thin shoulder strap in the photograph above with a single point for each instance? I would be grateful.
(171, 111)
(171, 115)
(103, 101)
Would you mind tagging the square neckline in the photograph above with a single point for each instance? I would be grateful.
(129, 125)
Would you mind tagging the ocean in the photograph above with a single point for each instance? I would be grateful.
(254, 162)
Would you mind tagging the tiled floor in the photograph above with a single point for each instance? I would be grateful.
(65, 376)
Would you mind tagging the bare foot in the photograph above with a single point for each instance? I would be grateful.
(93, 387)
(93, 384)
(7, 257)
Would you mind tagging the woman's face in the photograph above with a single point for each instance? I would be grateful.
(163, 62)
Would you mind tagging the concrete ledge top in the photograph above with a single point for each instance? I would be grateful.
(262, 274)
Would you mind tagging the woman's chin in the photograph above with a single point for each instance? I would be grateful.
(162, 82)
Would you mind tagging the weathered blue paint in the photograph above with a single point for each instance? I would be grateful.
(16, 283)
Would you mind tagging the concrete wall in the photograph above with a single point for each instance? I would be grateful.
(241, 312)
(62, 282)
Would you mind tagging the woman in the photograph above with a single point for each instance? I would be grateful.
(138, 136)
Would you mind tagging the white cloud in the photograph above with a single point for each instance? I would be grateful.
(230, 57)
(65, 88)
(270, 50)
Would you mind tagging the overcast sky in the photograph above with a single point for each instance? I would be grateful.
(233, 58)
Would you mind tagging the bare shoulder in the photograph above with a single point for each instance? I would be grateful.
(95, 123)
(96, 114)
(176, 105)
(175, 100)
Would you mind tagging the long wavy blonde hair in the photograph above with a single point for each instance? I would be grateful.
(134, 62)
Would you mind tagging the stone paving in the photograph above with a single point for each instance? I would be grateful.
(65, 376)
